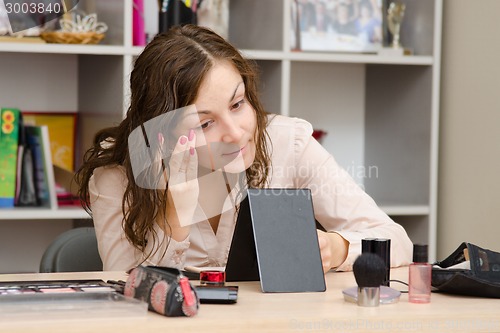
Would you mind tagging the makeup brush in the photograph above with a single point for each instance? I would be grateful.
(369, 272)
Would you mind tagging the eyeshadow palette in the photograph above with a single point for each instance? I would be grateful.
(47, 287)
(44, 300)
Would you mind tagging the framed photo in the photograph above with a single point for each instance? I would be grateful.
(4, 21)
(30, 17)
(337, 25)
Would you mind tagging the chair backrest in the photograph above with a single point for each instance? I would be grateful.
(73, 251)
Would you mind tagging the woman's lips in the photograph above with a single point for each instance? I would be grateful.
(234, 153)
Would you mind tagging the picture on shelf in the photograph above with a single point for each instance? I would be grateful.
(29, 18)
(62, 129)
(4, 22)
(337, 25)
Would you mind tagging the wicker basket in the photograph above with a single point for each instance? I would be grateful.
(72, 37)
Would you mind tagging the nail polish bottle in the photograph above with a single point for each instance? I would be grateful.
(420, 274)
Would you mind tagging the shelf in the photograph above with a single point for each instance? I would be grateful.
(409, 210)
(338, 57)
(263, 54)
(43, 213)
(136, 50)
(327, 57)
(252, 54)
(63, 48)
(359, 58)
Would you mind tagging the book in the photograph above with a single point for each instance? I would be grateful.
(139, 33)
(9, 133)
(25, 175)
(38, 139)
(62, 132)
(177, 12)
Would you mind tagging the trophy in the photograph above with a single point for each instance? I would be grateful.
(395, 15)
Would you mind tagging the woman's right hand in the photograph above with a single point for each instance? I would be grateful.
(183, 187)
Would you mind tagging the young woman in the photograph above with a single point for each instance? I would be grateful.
(164, 186)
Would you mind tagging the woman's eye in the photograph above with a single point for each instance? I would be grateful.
(238, 104)
(206, 124)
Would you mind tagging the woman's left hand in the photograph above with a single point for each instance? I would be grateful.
(333, 248)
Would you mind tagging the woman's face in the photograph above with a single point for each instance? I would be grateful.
(222, 120)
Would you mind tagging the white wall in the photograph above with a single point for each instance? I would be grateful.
(469, 173)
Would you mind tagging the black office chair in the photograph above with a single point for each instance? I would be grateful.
(73, 251)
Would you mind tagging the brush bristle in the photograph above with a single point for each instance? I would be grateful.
(369, 270)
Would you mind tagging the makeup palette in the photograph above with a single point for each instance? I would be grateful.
(44, 300)
(49, 287)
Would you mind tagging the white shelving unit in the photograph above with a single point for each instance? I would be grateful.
(381, 113)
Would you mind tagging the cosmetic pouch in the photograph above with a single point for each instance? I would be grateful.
(470, 270)
(166, 290)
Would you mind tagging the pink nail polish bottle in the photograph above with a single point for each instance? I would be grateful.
(420, 275)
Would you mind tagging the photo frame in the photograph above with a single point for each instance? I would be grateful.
(4, 21)
(30, 18)
(337, 25)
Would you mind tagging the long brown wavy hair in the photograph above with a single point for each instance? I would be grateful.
(167, 76)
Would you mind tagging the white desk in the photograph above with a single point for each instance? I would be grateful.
(299, 312)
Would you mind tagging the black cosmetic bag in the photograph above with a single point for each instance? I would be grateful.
(166, 290)
(454, 276)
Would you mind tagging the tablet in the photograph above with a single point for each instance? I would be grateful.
(275, 241)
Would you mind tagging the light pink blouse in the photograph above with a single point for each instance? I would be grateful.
(298, 161)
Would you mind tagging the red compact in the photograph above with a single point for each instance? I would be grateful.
(212, 278)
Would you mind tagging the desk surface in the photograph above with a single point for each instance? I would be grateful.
(298, 312)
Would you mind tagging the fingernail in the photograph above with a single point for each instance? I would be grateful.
(183, 140)
(191, 135)
(191, 151)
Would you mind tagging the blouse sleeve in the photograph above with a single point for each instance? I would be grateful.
(107, 187)
(341, 205)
